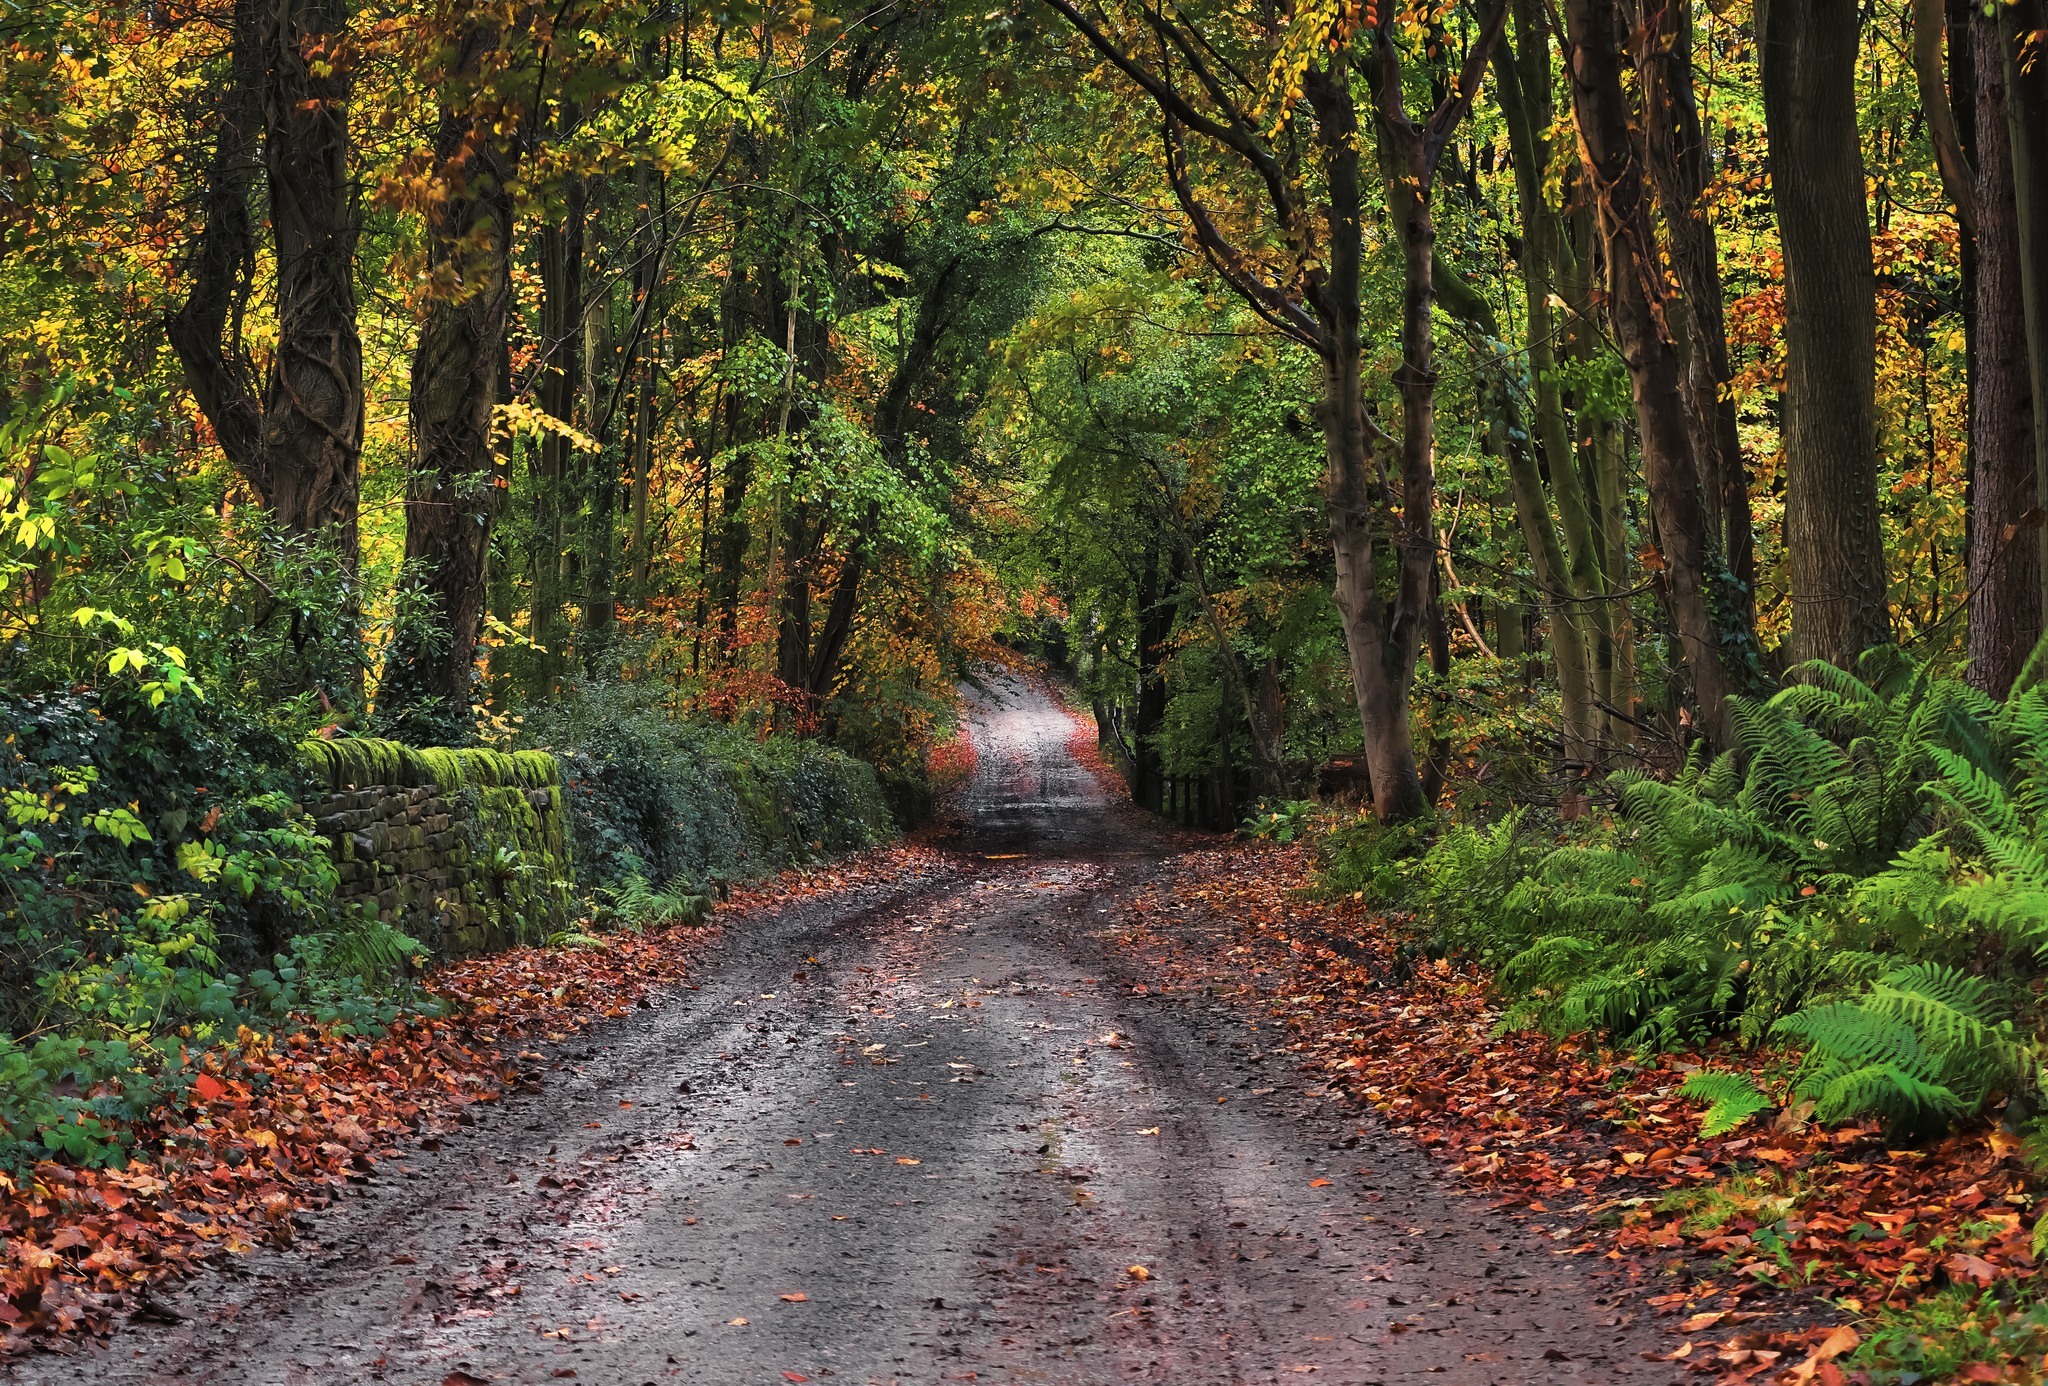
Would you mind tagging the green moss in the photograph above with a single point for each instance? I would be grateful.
(535, 770)
(361, 762)
(516, 854)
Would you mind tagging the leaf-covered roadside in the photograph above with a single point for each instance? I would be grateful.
(1780, 1251)
(279, 1124)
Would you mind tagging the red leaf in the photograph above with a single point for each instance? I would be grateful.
(209, 1088)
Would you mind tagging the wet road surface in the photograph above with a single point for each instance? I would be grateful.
(914, 1132)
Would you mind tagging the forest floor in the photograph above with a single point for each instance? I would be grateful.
(1058, 1096)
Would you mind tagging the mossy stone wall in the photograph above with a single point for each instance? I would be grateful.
(466, 850)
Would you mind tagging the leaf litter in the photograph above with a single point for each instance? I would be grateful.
(281, 1123)
(1759, 1244)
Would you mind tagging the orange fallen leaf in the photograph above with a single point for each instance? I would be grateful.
(1319, 1183)
(1975, 1269)
(798, 1298)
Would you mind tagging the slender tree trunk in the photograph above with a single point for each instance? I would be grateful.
(601, 539)
(644, 424)
(1617, 672)
(205, 330)
(1719, 647)
(1678, 164)
(1833, 539)
(1155, 629)
(793, 601)
(1382, 642)
(561, 333)
(2023, 44)
(652, 198)
(452, 498)
(2005, 534)
(1567, 565)
(823, 674)
(734, 535)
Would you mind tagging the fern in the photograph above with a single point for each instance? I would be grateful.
(363, 947)
(639, 905)
(1926, 1044)
(1731, 1099)
(1864, 873)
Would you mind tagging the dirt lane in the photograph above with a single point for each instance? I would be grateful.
(918, 1132)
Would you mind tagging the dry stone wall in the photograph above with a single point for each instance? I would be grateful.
(466, 850)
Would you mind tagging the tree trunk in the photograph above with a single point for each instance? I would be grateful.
(300, 446)
(644, 423)
(1833, 541)
(651, 197)
(561, 369)
(205, 331)
(1719, 646)
(1678, 164)
(1382, 643)
(452, 496)
(2023, 43)
(1567, 565)
(793, 603)
(601, 540)
(1155, 629)
(313, 409)
(2005, 533)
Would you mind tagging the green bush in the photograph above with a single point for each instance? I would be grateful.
(161, 890)
(662, 799)
(1865, 873)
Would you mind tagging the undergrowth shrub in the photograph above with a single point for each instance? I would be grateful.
(161, 890)
(1864, 874)
(691, 803)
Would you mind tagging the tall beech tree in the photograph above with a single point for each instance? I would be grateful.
(2023, 51)
(1969, 106)
(1840, 601)
(452, 491)
(2005, 534)
(1707, 607)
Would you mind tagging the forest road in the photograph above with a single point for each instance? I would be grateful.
(913, 1132)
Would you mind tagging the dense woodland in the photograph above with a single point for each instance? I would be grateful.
(1607, 441)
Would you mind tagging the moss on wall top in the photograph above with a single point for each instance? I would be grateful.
(357, 762)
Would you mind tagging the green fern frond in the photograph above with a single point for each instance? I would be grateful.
(1898, 1095)
(1977, 798)
(1731, 1099)
(363, 947)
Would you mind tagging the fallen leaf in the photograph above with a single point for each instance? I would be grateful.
(1975, 1269)
(798, 1298)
